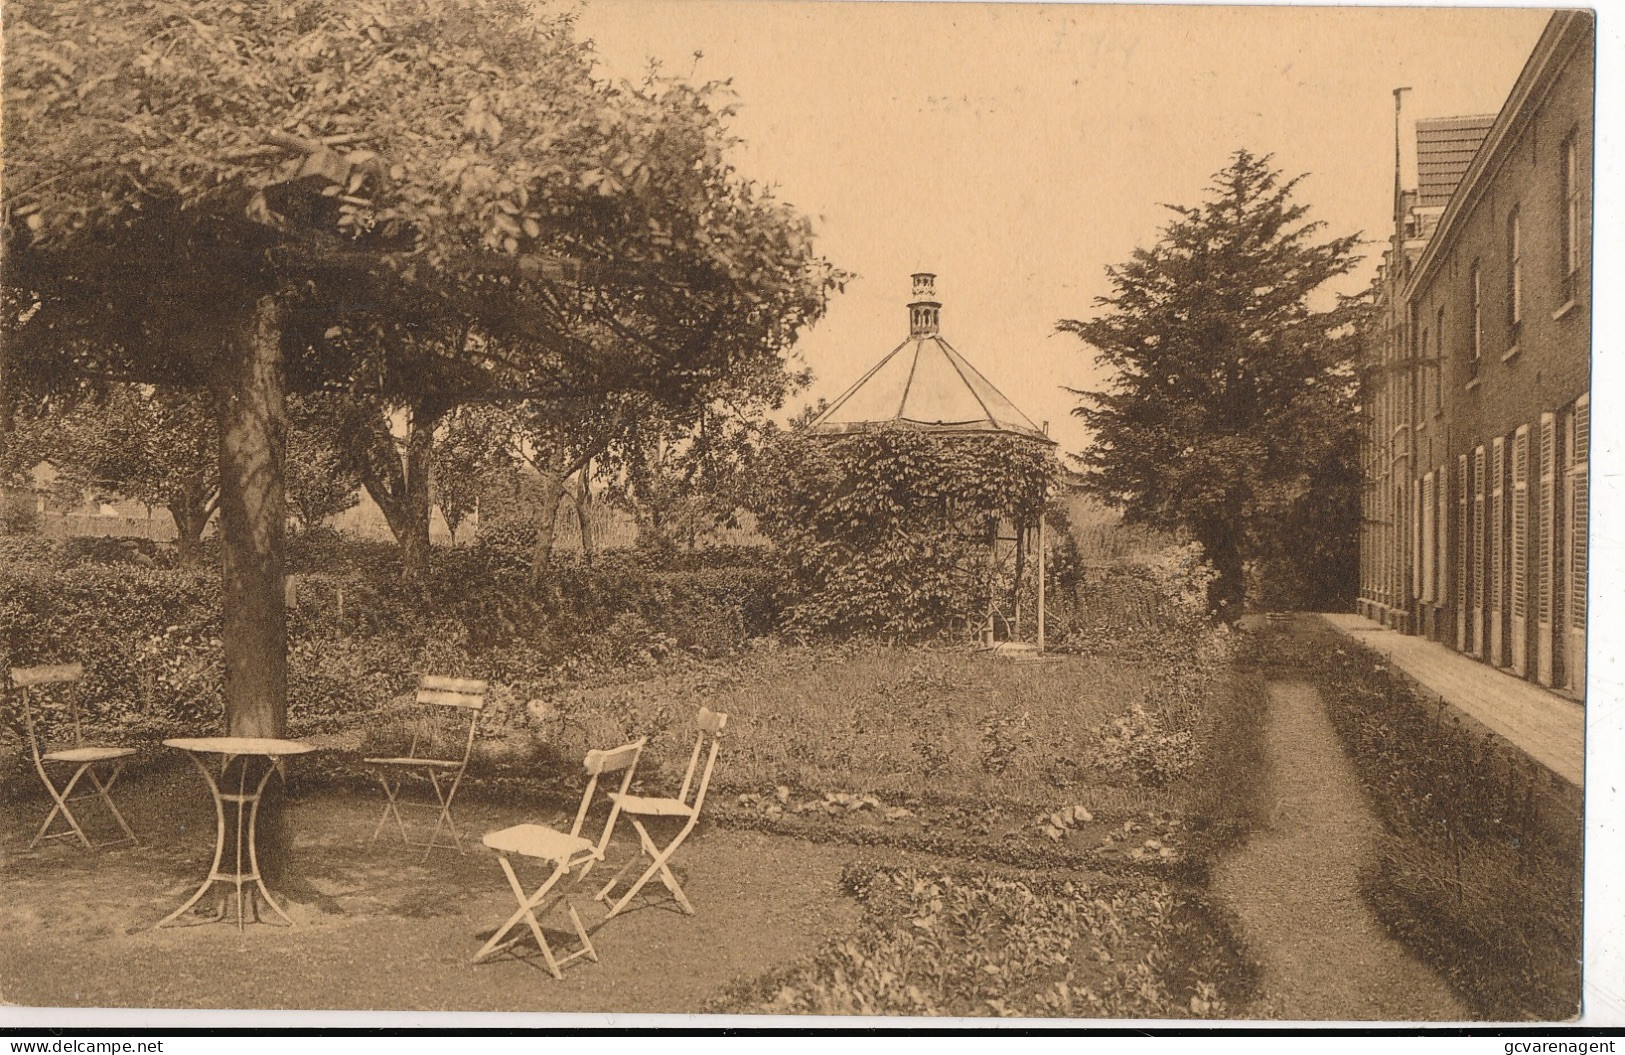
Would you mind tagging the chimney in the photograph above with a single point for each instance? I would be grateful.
(923, 309)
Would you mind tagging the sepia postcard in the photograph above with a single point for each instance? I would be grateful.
(800, 512)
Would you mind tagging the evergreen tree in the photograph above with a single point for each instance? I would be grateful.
(1230, 412)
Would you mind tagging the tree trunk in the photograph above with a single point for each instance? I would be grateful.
(552, 484)
(400, 484)
(252, 430)
(1227, 593)
(190, 508)
(414, 531)
(253, 423)
(583, 504)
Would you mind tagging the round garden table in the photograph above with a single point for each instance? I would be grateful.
(247, 753)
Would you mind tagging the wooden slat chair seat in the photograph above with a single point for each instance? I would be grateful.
(452, 701)
(88, 754)
(708, 729)
(571, 854)
(88, 760)
(645, 806)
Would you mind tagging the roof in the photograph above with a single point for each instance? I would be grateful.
(1444, 148)
(924, 383)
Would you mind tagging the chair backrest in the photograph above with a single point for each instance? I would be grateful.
(31, 679)
(623, 759)
(708, 725)
(466, 695)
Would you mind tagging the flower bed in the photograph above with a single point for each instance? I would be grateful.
(977, 944)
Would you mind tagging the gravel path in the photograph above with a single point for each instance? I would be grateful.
(1295, 886)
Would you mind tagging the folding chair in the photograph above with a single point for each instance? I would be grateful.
(710, 726)
(86, 759)
(566, 853)
(449, 700)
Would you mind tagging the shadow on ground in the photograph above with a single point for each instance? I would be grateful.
(379, 928)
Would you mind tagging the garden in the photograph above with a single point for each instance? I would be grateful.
(899, 830)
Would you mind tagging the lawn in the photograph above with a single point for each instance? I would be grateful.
(898, 831)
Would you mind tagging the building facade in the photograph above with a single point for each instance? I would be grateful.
(1478, 369)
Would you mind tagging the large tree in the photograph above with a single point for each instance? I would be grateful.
(376, 198)
(1227, 381)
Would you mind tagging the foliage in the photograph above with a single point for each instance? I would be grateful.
(463, 461)
(386, 198)
(1130, 608)
(1479, 869)
(403, 127)
(138, 442)
(683, 481)
(320, 480)
(1139, 744)
(887, 531)
(938, 943)
(1232, 400)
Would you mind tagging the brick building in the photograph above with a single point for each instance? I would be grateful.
(1479, 367)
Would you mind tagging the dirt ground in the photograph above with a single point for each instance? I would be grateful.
(381, 930)
(1295, 886)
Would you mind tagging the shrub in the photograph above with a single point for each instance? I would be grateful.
(1139, 744)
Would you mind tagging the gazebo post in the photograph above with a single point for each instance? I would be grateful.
(1040, 580)
(1042, 511)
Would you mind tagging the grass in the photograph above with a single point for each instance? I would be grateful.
(948, 723)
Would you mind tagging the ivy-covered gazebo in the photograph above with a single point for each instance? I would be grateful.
(918, 495)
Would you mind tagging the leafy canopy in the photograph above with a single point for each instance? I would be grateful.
(1227, 383)
(418, 179)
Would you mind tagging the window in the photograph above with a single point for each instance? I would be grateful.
(1475, 304)
(1568, 174)
(1425, 368)
(1514, 277)
(1438, 373)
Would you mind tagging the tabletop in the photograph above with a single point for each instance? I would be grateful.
(240, 745)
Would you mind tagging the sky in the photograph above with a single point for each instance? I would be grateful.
(1017, 150)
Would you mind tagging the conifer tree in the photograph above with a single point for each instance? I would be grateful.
(1230, 411)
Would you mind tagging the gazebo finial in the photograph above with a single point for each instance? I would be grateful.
(924, 309)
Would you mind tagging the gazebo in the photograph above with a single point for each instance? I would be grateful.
(926, 384)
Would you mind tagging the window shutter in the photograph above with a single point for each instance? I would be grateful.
(1580, 510)
(1415, 568)
(1520, 523)
(1548, 515)
(1428, 526)
(1494, 531)
(1520, 550)
(1463, 533)
(1489, 525)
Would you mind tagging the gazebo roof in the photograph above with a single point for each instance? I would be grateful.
(926, 384)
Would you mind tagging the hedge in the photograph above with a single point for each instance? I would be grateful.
(149, 635)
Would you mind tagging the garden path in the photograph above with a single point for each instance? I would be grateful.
(1295, 886)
